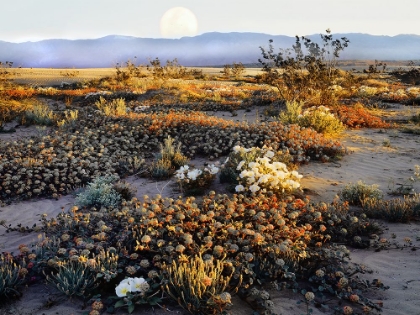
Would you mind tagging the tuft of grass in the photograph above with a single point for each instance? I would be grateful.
(116, 107)
(394, 210)
(355, 194)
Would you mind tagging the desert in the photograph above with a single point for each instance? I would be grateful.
(289, 188)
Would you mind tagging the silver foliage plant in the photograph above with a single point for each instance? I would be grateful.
(100, 193)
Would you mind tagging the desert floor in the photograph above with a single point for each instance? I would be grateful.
(368, 159)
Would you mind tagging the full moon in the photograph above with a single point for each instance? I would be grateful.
(178, 22)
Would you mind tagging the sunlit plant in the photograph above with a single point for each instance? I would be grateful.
(193, 181)
(264, 173)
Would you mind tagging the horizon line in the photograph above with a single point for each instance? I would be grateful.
(198, 35)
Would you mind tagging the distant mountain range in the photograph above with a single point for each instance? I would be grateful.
(209, 49)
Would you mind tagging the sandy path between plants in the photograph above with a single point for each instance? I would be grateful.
(368, 160)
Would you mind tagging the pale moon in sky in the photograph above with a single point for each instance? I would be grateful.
(178, 22)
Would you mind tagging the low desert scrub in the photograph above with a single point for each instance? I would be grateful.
(100, 193)
(69, 120)
(176, 245)
(357, 116)
(318, 118)
(39, 114)
(355, 194)
(11, 109)
(116, 107)
(394, 210)
(307, 71)
(376, 83)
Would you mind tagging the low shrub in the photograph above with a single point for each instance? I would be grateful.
(194, 181)
(394, 210)
(357, 116)
(115, 107)
(39, 114)
(169, 158)
(318, 118)
(100, 193)
(355, 194)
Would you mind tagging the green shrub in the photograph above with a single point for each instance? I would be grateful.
(318, 118)
(355, 194)
(292, 113)
(100, 193)
(321, 120)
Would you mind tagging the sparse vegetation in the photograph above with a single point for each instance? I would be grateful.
(149, 121)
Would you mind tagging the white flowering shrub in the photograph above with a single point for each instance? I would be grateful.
(193, 181)
(259, 170)
(100, 193)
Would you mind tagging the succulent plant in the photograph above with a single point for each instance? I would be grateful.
(73, 278)
(11, 276)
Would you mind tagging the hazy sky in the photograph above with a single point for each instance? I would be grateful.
(23, 20)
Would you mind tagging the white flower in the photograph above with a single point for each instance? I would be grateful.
(194, 174)
(213, 169)
(296, 175)
(264, 179)
(239, 188)
(253, 164)
(183, 168)
(254, 188)
(138, 285)
(237, 149)
(280, 166)
(265, 160)
(240, 165)
(180, 175)
(269, 154)
(123, 288)
(280, 174)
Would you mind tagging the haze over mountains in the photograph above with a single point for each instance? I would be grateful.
(209, 49)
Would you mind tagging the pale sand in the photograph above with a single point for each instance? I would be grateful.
(368, 160)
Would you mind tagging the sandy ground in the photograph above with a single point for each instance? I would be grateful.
(368, 160)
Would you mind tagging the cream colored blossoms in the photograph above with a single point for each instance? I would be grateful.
(265, 174)
(130, 285)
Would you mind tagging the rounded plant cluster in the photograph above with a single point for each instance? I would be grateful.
(56, 164)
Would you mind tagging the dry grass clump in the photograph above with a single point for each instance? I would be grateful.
(394, 210)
